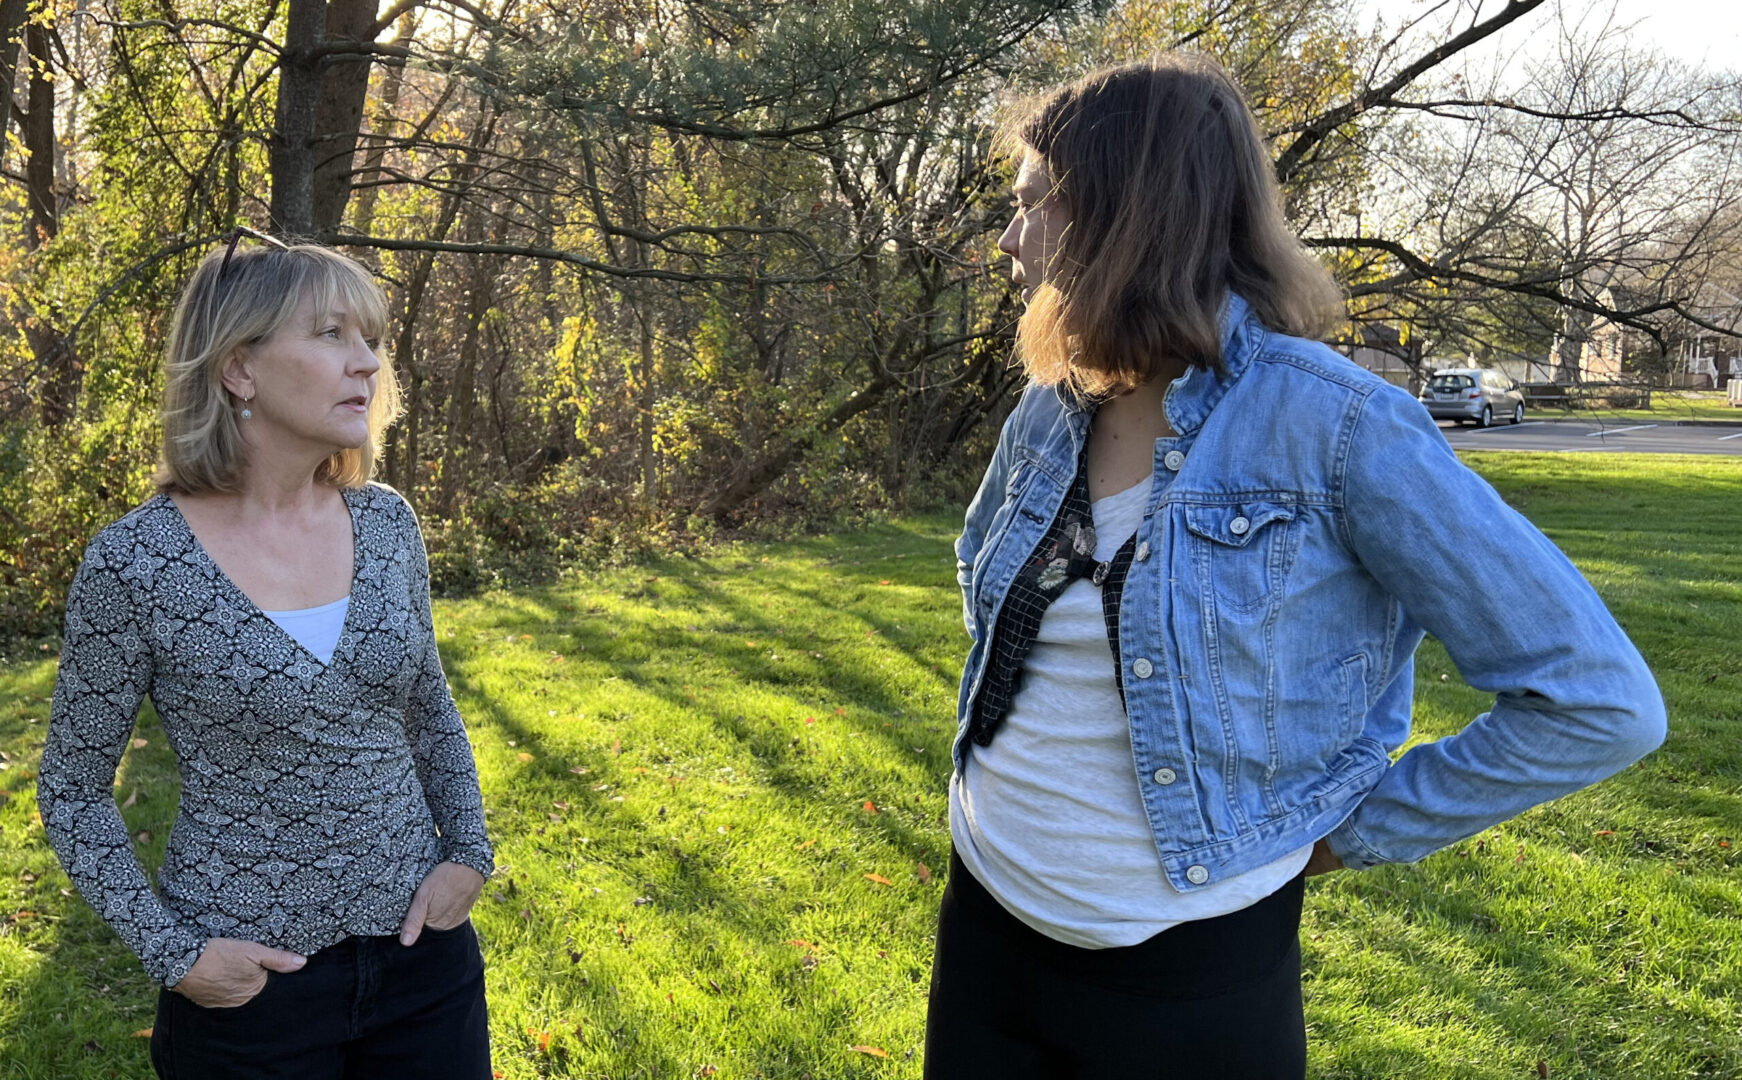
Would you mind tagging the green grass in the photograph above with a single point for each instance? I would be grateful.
(1666, 406)
(677, 758)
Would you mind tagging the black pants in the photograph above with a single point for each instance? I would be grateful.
(367, 1007)
(1218, 998)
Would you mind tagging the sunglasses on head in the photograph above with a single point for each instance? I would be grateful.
(234, 237)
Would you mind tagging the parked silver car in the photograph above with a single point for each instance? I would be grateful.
(1475, 394)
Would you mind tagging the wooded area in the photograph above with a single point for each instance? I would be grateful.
(659, 269)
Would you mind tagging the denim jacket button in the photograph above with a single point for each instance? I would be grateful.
(1239, 526)
(1142, 668)
(1165, 777)
(1173, 459)
(1197, 875)
(1143, 551)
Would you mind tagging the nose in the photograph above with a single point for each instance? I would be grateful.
(1007, 240)
(363, 359)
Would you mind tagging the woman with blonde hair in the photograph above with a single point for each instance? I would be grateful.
(1195, 576)
(312, 912)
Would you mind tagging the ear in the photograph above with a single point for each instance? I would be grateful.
(235, 375)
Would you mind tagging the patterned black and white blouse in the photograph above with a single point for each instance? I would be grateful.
(315, 797)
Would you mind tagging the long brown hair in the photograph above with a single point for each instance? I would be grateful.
(1173, 201)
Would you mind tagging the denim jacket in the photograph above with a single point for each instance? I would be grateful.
(1306, 525)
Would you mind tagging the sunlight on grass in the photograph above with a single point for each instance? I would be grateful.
(717, 788)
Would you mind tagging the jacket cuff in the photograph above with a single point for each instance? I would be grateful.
(1346, 844)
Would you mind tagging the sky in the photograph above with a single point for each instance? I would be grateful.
(1693, 31)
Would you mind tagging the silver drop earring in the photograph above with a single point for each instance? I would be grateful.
(247, 413)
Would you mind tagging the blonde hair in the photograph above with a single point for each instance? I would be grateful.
(1173, 201)
(226, 309)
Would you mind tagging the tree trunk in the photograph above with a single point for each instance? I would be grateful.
(291, 150)
(344, 88)
(58, 363)
(463, 403)
(644, 406)
(12, 16)
(384, 119)
(405, 453)
(39, 142)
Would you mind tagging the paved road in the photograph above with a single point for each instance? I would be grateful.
(1594, 436)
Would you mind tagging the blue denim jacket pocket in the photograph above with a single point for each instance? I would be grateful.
(1242, 551)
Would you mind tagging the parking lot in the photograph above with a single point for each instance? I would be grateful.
(1598, 435)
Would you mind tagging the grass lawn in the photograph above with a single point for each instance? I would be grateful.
(1666, 406)
(717, 792)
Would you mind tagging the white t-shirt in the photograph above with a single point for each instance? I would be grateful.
(1049, 817)
(316, 629)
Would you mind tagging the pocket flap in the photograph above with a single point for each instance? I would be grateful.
(1234, 525)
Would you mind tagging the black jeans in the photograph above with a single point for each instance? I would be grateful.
(1217, 998)
(364, 1008)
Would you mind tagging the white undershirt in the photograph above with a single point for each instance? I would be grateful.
(316, 629)
(1050, 818)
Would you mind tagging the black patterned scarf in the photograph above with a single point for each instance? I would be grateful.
(1064, 554)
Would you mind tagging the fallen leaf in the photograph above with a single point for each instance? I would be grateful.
(874, 1051)
(924, 873)
(131, 799)
(20, 916)
(1723, 843)
(616, 747)
(810, 719)
(144, 836)
(524, 756)
(871, 807)
(1604, 832)
(1520, 856)
(1542, 1069)
(879, 879)
(801, 943)
(140, 744)
(579, 770)
(707, 1070)
(807, 843)
(142, 1033)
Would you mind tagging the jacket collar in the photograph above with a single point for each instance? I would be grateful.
(1192, 396)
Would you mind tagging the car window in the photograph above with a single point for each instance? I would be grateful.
(1452, 382)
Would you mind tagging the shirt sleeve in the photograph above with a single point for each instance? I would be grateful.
(105, 672)
(439, 747)
(1573, 700)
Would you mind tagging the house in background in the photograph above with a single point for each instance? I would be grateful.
(1386, 352)
(1587, 352)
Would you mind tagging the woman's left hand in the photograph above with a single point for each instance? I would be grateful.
(443, 901)
(1322, 861)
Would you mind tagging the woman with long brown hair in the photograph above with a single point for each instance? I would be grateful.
(1195, 576)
